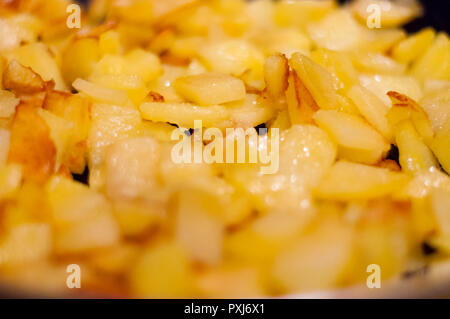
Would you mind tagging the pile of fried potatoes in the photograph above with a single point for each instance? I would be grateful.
(87, 178)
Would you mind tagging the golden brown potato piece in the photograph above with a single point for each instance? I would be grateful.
(301, 104)
(75, 109)
(276, 73)
(31, 144)
(21, 79)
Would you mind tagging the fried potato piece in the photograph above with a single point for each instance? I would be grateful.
(31, 145)
(301, 104)
(347, 181)
(210, 88)
(276, 72)
(21, 79)
(75, 109)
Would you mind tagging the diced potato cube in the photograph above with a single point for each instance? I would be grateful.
(5, 136)
(199, 229)
(21, 79)
(75, 109)
(352, 133)
(414, 154)
(131, 167)
(135, 218)
(26, 243)
(39, 58)
(440, 201)
(10, 179)
(162, 271)
(232, 57)
(144, 64)
(315, 261)
(347, 36)
(414, 46)
(60, 132)
(111, 123)
(83, 219)
(8, 103)
(109, 43)
(306, 152)
(348, 181)
(210, 88)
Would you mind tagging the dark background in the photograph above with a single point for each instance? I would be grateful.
(436, 15)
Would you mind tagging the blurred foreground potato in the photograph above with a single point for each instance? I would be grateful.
(345, 128)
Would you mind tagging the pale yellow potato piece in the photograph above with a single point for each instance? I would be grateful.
(276, 71)
(339, 64)
(306, 152)
(377, 63)
(8, 103)
(162, 271)
(210, 88)
(414, 46)
(144, 64)
(380, 85)
(435, 62)
(326, 33)
(100, 93)
(440, 202)
(79, 59)
(437, 106)
(372, 108)
(351, 132)
(232, 57)
(26, 243)
(10, 179)
(131, 167)
(5, 136)
(111, 123)
(199, 229)
(317, 80)
(38, 57)
(285, 41)
(349, 181)
(133, 85)
(83, 218)
(414, 154)
(299, 13)
(184, 114)
(441, 148)
(61, 131)
(315, 261)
